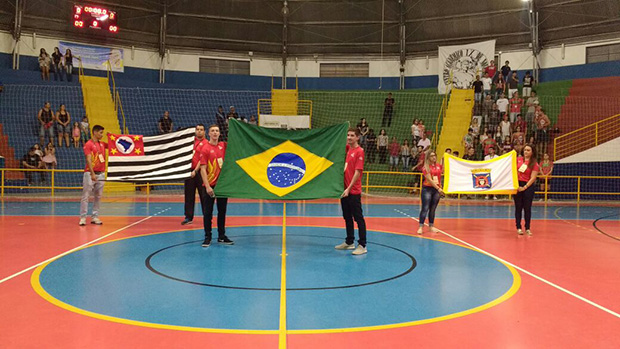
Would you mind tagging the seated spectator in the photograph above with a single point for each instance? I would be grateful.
(394, 154)
(528, 82)
(32, 161)
(57, 64)
(232, 114)
(515, 106)
(46, 120)
(49, 159)
(513, 84)
(77, 132)
(243, 119)
(63, 124)
(424, 142)
(487, 83)
(165, 124)
(252, 120)
(44, 64)
(84, 131)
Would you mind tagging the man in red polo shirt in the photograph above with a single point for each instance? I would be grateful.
(211, 160)
(195, 181)
(94, 175)
(351, 199)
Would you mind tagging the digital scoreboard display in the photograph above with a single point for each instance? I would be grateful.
(94, 17)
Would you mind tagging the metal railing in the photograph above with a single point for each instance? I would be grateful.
(116, 97)
(586, 137)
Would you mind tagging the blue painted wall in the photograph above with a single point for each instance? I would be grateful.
(608, 168)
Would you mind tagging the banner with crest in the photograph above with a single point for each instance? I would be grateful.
(459, 64)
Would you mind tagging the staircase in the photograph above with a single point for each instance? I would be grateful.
(100, 110)
(456, 122)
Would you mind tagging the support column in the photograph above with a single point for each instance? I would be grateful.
(17, 31)
(285, 13)
(403, 44)
(162, 44)
(535, 44)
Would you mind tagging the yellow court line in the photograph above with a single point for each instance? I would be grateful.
(282, 332)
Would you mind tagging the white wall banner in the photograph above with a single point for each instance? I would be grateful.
(94, 57)
(463, 62)
(497, 176)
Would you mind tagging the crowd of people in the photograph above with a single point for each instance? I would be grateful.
(58, 63)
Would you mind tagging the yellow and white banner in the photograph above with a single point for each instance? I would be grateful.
(497, 176)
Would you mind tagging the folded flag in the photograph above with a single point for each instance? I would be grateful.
(496, 176)
(264, 163)
(134, 158)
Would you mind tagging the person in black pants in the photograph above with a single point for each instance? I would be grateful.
(195, 181)
(388, 111)
(527, 169)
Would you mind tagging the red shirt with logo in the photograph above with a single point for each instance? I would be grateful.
(524, 174)
(354, 161)
(213, 157)
(198, 145)
(436, 171)
(97, 150)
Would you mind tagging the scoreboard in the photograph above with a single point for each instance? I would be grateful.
(94, 17)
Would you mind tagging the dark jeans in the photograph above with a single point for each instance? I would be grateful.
(221, 216)
(430, 200)
(387, 117)
(352, 210)
(58, 71)
(523, 204)
(191, 184)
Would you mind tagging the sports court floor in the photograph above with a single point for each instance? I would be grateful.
(143, 280)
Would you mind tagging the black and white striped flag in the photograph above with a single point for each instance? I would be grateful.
(134, 158)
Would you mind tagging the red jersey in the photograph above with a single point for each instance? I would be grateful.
(97, 150)
(198, 145)
(394, 149)
(515, 105)
(523, 171)
(491, 70)
(213, 157)
(436, 171)
(354, 161)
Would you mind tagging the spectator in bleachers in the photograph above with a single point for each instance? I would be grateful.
(507, 145)
(49, 159)
(475, 127)
(422, 128)
(502, 104)
(46, 119)
(382, 146)
(415, 132)
(32, 161)
(424, 142)
(500, 86)
(394, 154)
(63, 124)
(542, 130)
(470, 154)
(252, 120)
(487, 108)
(468, 139)
(69, 64)
(77, 132)
(388, 110)
(478, 149)
(165, 124)
(405, 153)
(488, 143)
(456, 153)
(531, 104)
(478, 88)
(546, 169)
(243, 119)
(363, 128)
(484, 134)
(491, 70)
(487, 82)
(232, 114)
(528, 82)
(57, 64)
(520, 123)
(518, 137)
(516, 103)
(371, 141)
(513, 84)
(494, 117)
(1, 86)
(222, 122)
(44, 64)
(497, 134)
(490, 156)
(84, 128)
(37, 150)
(505, 71)
(506, 127)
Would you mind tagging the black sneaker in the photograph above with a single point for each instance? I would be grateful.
(186, 221)
(225, 241)
(206, 243)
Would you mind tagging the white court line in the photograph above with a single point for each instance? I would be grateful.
(74, 249)
(522, 270)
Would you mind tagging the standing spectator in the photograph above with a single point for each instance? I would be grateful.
(531, 104)
(32, 161)
(502, 103)
(57, 66)
(518, 137)
(487, 82)
(516, 104)
(418, 164)
(513, 84)
(49, 159)
(475, 127)
(491, 69)
(478, 88)
(528, 82)
(478, 149)
(232, 114)
(351, 198)
(371, 141)
(470, 154)
(527, 171)
(405, 153)
(94, 175)
(424, 142)
(84, 129)
(487, 108)
(468, 139)
(69, 64)
(494, 117)
(76, 134)
(222, 121)
(505, 70)
(44, 64)
(415, 132)
(500, 86)
(507, 145)
(490, 156)
(506, 127)
(165, 123)
(422, 128)
(394, 154)
(251, 122)
(63, 124)
(388, 110)
(46, 120)
(484, 135)
(431, 191)
(363, 128)
(546, 169)
(521, 123)
(542, 130)
(382, 145)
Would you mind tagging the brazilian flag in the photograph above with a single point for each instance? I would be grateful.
(264, 163)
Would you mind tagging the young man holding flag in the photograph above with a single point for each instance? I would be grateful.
(195, 181)
(211, 160)
(94, 175)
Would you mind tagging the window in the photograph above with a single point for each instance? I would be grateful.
(344, 70)
(604, 53)
(224, 66)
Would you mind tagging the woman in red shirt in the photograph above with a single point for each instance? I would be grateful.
(527, 170)
(431, 190)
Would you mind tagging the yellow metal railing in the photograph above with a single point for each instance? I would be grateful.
(440, 118)
(116, 97)
(586, 137)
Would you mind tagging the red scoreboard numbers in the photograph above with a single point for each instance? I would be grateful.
(94, 17)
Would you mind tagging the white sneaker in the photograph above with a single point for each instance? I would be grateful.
(96, 221)
(494, 197)
(486, 197)
(345, 246)
(420, 231)
(528, 232)
(359, 250)
(519, 231)
(82, 221)
(434, 230)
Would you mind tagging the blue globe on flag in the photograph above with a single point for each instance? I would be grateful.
(285, 170)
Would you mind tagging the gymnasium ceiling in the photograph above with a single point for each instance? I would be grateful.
(327, 27)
